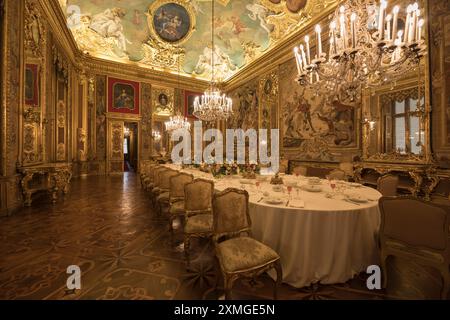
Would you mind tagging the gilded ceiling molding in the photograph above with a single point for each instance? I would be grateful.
(133, 72)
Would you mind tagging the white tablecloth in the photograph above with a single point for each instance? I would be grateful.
(329, 240)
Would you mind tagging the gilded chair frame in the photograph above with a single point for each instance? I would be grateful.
(190, 213)
(411, 251)
(231, 277)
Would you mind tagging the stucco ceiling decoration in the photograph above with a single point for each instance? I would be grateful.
(159, 33)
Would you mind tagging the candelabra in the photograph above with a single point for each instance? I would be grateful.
(366, 49)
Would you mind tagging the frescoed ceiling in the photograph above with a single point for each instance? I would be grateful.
(172, 35)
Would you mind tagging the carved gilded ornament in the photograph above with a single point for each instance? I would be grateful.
(163, 101)
(34, 30)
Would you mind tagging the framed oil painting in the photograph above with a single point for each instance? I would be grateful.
(123, 96)
(32, 85)
(189, 98)
(171, 21)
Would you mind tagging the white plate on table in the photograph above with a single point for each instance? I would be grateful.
(277, 188)
(314, 181)
(355, 185)
(273, 200)
(312, 188)
(357, 198)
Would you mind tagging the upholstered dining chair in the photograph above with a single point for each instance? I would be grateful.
(348, 168)
(418, 231)
(154, 188)
(147, 177)
(164, 188)
(337, 174)
(238, 253)
(198, 211)
(176, 196)
(300, 170)
(387, 185)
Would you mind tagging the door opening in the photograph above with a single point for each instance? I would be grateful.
(130, 147)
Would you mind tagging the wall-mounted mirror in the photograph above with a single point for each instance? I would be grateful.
(160, 137)
(396, 124)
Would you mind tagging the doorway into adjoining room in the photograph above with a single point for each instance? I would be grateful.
(130, 147)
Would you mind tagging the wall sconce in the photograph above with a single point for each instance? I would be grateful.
(370, 123)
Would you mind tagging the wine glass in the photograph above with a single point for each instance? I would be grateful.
(332, 185)
(289, 189)
(257, 185)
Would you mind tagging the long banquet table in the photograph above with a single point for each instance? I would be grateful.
(329, 240)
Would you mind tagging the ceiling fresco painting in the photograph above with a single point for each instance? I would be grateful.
(167, 34)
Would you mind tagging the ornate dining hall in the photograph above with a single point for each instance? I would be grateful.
(225, 150)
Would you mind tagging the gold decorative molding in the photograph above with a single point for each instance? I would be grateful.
(163, 100)
(34, 29)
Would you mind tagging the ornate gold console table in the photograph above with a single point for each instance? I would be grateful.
(51, 177)
(415, 178)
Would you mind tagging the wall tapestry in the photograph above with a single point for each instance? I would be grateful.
(307, 117)
(245, 107)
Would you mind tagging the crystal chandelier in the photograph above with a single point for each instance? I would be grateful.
(367, 48)
(212, 105)
(177, 122)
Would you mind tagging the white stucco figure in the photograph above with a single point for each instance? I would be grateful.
(259, 12)
(222, 63)
(109, 24)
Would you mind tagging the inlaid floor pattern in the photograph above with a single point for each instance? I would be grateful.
(106, 225)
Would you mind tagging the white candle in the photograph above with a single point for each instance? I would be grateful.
(419, 29)
(343, 30)
(407, 23)
(302, 49)
(319, 40)
(331, 53)
(416, 35)
(413, 22)
(308, 51)
(353, 29)
(297, 60)
(333, 36)
(388, 29)
(383, 6)
(395, 21)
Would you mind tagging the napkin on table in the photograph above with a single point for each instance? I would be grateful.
(297, 203)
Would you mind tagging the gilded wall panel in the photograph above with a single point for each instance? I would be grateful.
(11, 76)
(146, 122)
(440, 77)
(100, 104)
